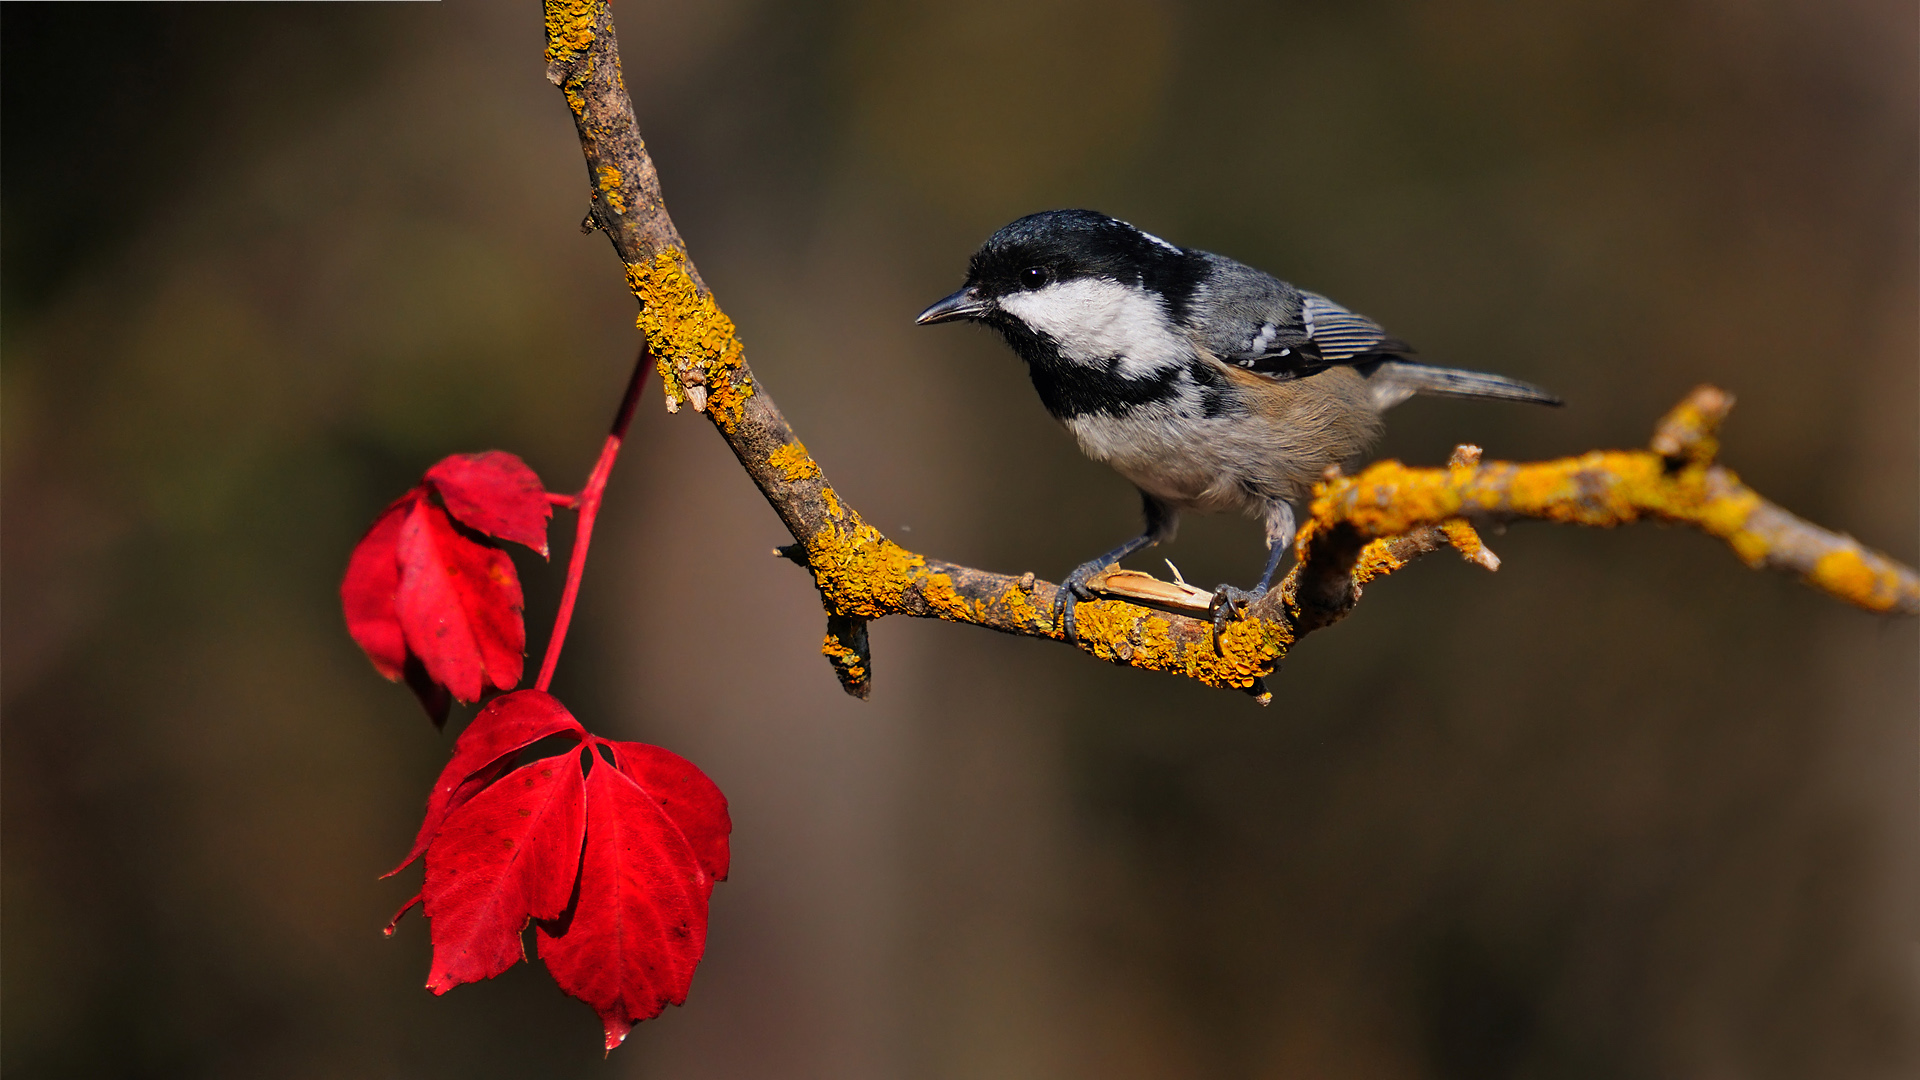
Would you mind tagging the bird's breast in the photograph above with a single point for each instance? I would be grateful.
(1235, 446)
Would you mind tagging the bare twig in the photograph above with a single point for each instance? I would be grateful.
(1360, 528)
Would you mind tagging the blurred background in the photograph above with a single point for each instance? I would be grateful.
(1625, 809)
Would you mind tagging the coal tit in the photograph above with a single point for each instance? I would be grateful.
(1210, 385)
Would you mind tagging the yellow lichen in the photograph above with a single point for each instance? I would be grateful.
(848, 661)
(727, 393)
(945, 600)
(1376, 560)
(1464, 538)
(1248, 650)
(1600, 488)
(793, 462)
(610, 188)
(1593, 489)
(570, 28)
(1845, 573)
(686, 330)
(863, 574)
(1726, 513)
(859, 571)
(1128, 634)
(1019, 605)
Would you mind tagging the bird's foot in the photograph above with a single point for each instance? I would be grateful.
(1229, 604)
(1072, 591)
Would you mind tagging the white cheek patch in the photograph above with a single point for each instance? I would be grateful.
(1096, 319)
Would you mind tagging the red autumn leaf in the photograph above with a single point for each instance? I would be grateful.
(459, 603)
(367, 593)
(510, 853)
(684, 792)
(436, 605)
(509, 724)
(496, 494)
(614, 867)
(432, 696)
(638, 924)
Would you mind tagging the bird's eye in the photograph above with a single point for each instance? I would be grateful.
(1033, 277)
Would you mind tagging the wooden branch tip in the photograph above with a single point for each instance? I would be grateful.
(1357, 529)
(1688, 432)
(847, 649)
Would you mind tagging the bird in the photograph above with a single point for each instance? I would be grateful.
(1210, 385)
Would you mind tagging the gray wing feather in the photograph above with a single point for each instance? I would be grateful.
(1246, 315)
(1256, 321)
(1343, 336)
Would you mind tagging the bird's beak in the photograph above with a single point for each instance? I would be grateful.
(961, 305)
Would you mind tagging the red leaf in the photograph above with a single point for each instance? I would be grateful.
(509, 853)
(684, 792)
(509, 724)
(615, 869)
(459, 604)
(638, 924)
(496, 494)
(372, 583)
(436, 606)
(432, 696)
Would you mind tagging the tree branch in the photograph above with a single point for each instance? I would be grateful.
(1359, 528)
(1676, 481)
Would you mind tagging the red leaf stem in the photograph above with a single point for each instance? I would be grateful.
(588, 505)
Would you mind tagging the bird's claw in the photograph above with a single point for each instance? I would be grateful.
(1229, 604)
(1072, 591)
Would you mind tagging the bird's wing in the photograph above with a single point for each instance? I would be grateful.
(1345, 337)
(1290, 336)
(1269, 328)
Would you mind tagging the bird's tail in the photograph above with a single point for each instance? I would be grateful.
(1394, 381)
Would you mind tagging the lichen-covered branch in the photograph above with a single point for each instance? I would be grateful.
(1360, 528)
(1676, 481)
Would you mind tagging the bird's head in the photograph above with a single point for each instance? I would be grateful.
(1080, 281)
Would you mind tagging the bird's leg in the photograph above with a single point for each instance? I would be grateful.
(1074, 589)
(1230, 603)
(1162, 522)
